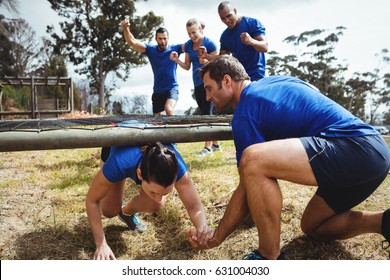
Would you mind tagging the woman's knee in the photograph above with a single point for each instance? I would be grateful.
(110, 213)
(155, 206)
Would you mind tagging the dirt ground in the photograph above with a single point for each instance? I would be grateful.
(32, 228)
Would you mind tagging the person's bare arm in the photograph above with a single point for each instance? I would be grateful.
(129, 37)
(235, 213)
(194, 207)
(186, 65)
(259, 43)
(204, 56)
(98, 189)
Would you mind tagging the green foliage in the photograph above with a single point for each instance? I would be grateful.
(16, 97)
(315, 63)
(93, 40)
(380, 81)
(6, 57)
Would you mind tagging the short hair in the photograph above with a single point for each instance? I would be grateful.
(224, 65)
(159, 164)
(225, 4)
(162, 30)
(194, 21)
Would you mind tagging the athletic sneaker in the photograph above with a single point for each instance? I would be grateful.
(255, 255)
(205, 152)
(132, 221)
(215, 148)
(386, 231)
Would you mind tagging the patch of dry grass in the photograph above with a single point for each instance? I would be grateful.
(43, 213)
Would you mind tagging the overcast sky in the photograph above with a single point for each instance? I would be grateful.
(367, 23)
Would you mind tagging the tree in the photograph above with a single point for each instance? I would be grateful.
(92, 39)
(379, 94)
(25, 47)
(315, 63)
(7, 59)
(13, 7)
(139, 104)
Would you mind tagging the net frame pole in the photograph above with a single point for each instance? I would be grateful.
(113, 136)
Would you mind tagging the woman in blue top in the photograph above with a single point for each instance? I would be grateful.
(157, 169)
(198, 43)
(284, 128)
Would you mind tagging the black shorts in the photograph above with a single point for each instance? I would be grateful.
(206, 107)
(159, 99)
(347, 170)
(105, 153)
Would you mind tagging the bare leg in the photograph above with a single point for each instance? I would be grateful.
(235, 213)
(265, 206)
(322, 223)
(142, 203)
(259, 166)
(170, 107)
(208, 144)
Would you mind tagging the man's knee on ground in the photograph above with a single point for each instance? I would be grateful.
(310, 231)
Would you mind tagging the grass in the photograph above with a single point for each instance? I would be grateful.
(42, 195)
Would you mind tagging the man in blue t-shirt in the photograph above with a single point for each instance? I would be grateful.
(284, 128)
(166, 88)
(245, 39)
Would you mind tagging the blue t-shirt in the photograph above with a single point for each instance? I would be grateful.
(188, 48)
(124, 161)
(164, 69)
(281, 107)
(253, 61)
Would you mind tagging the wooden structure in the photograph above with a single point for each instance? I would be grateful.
(40, 107)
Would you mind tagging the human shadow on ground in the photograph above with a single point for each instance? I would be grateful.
(306, 248)
(60, 243)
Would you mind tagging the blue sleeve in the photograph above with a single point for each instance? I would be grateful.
(245, 134)
(147, 49)
(122, 163)
(256, 28)
(210, 45)
(177, 48)
(187, 45)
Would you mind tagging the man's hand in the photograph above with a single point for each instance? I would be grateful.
(201, 240)
(246, 38)
(202, 52)
(125, 23)
(174, 56)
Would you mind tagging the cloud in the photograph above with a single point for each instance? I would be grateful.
(206, 5)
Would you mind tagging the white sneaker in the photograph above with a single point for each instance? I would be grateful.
(216, 149)
(204, 152)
